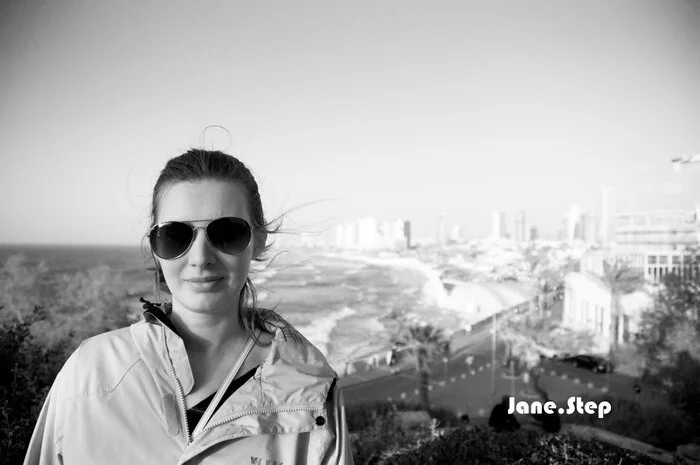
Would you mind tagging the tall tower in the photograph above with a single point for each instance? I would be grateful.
(407, 233)
(498, 224)
(573, 224)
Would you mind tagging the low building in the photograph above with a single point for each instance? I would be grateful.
(588, 307)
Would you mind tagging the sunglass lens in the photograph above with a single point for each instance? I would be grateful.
(230, 235)
(171, 240)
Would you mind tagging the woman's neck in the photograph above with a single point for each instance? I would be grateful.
(206, 335)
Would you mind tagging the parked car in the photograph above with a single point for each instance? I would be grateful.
(594, 363)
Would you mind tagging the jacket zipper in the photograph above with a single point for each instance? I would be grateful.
(181, 392)
(255, 412)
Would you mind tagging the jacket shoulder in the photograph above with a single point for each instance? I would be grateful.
(99, 364)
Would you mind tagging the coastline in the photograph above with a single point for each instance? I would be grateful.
(459, 308)
(433, 291)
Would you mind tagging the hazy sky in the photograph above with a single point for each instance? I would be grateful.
(386, 108)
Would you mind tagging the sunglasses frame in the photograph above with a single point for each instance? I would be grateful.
(194, 235)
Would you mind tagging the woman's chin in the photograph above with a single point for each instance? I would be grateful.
(208, 303)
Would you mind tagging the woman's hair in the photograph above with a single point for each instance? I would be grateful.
(205, 165)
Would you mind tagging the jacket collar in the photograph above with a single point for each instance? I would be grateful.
(295, 373)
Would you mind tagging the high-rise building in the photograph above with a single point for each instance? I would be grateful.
(534, 233)
(340, 236)
(456, 234)
(520, 234)
(607, 217)
(573, 224)
(407, 233)
(591, 230)
(367, 233)
(398, 236)
(351, 234)
(498, 224)
(583, 226)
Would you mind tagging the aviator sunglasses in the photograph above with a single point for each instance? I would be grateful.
(172, 239)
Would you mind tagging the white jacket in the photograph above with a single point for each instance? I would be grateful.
(119, 399)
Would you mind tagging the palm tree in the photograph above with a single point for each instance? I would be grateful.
(621, 279)
(541, 269)
(423, 342)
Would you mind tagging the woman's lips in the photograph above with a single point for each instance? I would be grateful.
(206, 284)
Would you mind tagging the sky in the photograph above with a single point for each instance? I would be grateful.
(394, 109)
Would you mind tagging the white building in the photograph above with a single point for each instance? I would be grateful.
(520, 231)
(654, 243)
(441, 231)
(367, 233)
(350, 235)
(498, 224)
(340, 236)
(587, 306)
(398, 234)
(456, 234)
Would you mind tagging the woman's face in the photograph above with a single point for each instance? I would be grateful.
(205, 200)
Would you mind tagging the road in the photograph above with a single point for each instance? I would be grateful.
(474, 388)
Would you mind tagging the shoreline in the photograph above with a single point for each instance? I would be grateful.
(433, 288)
(457, 305)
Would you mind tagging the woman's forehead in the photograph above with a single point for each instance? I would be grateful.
(189, 201)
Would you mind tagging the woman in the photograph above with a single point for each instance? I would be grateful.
(208, 378)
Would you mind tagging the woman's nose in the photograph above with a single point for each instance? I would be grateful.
(201, 252)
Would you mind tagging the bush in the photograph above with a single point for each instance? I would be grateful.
(27, 370)
(656, 423)
(375, 430)
(680, 383)
(481, 445)
(361, 416)
(382, 435)
(35, 341)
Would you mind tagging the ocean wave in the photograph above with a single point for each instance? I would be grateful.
(319, 331)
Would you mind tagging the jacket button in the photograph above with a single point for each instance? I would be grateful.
(320, 421)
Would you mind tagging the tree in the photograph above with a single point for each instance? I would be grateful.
(423, 343)
(541, 269)
(621, 280)
(518, 334)
(525, 337)
(670, 343)
(673, 323)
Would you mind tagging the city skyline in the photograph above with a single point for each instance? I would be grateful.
(398, 110)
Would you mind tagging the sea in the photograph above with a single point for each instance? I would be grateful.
(339, 303)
